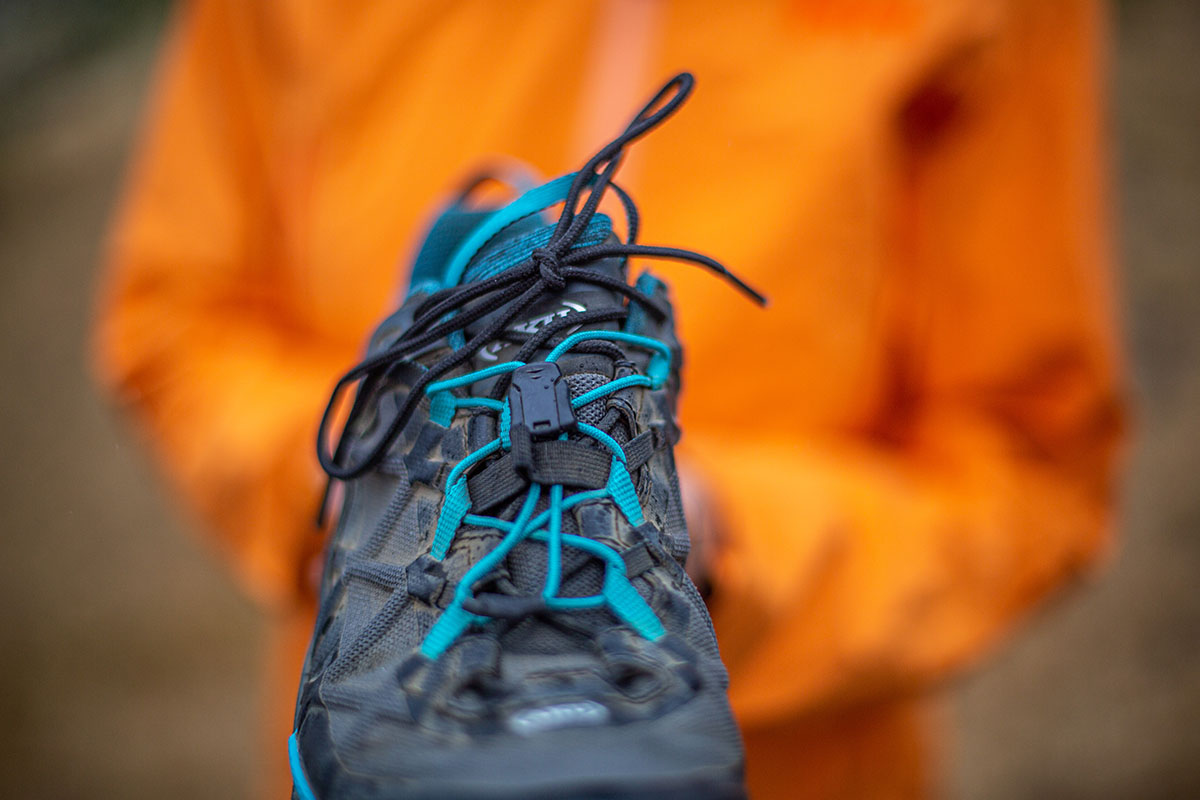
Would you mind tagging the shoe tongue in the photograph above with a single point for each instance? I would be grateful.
(515, 247)
(515, 244)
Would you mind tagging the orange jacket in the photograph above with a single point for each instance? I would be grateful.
(912, 447)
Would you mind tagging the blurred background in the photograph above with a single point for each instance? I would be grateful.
(111, 687)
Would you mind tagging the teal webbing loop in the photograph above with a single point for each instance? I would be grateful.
(529, 203)
(441, 408)
(454, 508)
(458, 501)
(620, 486)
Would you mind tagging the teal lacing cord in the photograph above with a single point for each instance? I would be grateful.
(617, 593)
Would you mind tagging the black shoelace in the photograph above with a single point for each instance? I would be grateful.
(448, 312)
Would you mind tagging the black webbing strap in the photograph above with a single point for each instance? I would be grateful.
(638, 559)
(569, 463)
(496, 483)
(639, 449)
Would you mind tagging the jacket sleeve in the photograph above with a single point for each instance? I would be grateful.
(862, 564)
(200, 334)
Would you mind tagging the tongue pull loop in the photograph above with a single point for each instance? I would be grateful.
(540, 403)
(528, 204)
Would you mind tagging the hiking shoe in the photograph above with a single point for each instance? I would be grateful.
(504, 611)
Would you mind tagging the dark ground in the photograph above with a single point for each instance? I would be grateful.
(123, 687)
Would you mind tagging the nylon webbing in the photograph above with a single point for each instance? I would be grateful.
(554, 462)
(638, 450)
(638, 560)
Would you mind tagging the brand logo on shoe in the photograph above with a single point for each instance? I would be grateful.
(531, 326)
(564, 715)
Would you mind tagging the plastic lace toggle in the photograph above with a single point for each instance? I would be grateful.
(540, 404)
(540, 400)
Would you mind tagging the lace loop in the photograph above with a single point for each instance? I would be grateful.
(448, 312)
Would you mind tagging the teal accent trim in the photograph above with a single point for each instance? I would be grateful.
(627, 604)
(454, 508)
(426, 287)
(441, 408)
(529, 203)
(299, 779)
(505, 425)
(647, 284)
(471, 377)
(620, 486)
(658, 369)
(458, 501)
(443, 238)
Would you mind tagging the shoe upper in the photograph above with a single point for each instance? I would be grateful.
(504, 602)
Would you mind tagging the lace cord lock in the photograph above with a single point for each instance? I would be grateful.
(540, 403)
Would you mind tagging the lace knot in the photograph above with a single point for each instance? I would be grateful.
(549, 267)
